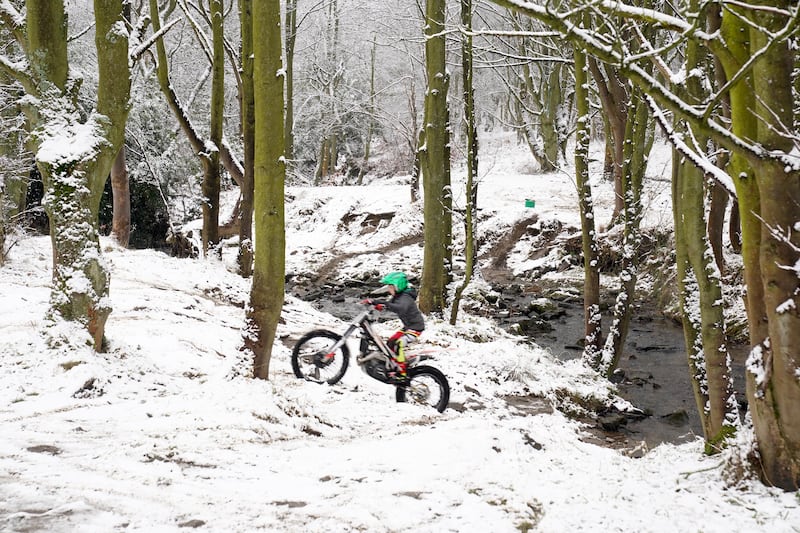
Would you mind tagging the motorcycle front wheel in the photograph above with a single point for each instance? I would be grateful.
(313, 360)
(426, 386)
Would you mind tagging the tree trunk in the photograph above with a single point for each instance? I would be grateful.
(591, 273)
(709, 360)
(718, 194)
(245, 257)
(615, 100)
(736, 34)
(121, 193)
(291, 38)
(435, 165)
(471, 130)
(266, 295)
(773, 387)
(197, 143)
(74, 180)
(638, 141)
(371, 115)
(418, 136)
(211, 174)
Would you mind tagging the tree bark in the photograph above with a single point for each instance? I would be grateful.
(591, 273)
(245, 257)
(435, 165)
(471, 186)
(266, 295)
(121, 194)
(211, 168)
(74, 181)
(773, 387)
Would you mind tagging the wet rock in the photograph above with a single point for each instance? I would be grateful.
(612, 422)
(534, 326)
(677, 419)
(529, 405)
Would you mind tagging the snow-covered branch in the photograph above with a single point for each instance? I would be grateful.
(142, 47)
(598, 46)
(698, 159)
(19, 71)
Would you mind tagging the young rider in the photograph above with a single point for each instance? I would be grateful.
(403, 302)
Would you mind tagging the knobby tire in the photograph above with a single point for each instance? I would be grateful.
(426, 386)
(309, 361)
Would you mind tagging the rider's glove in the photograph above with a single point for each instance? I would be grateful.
(379, 307)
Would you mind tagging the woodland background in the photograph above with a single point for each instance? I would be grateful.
(206, 96)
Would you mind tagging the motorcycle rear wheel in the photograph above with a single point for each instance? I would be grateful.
(313, 360)
(426, 386)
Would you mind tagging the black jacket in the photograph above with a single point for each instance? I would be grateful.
(405, 305)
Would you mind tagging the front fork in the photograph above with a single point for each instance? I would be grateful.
(341, 342)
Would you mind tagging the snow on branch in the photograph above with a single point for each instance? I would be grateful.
(10, 17)
(14, 21)
(699, 160)
(19, 71)
(140, 49)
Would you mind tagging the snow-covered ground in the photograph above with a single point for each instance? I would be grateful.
(161, 433)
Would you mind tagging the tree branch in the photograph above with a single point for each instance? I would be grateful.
(14, 21)
(18, 71)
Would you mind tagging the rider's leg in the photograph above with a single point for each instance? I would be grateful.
(392, 341)
(407, 338)
(400, 357)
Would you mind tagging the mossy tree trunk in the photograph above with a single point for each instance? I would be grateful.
(435, 165)
(700, 282)
(638, 142)
(267, 292)
(74, 180)
(211, 169)
(773, 379)
(247, 106)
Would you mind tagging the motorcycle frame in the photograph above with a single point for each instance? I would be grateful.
(364, 323)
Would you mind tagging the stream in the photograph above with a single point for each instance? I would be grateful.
(653, 373)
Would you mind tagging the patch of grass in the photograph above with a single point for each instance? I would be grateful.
(69, 365)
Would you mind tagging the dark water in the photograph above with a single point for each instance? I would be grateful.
(655, 373)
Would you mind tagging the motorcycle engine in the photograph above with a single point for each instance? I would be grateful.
(376, 370)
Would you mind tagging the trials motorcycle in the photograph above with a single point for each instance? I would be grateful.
(323, 356)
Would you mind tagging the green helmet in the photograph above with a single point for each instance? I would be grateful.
(398, 279)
